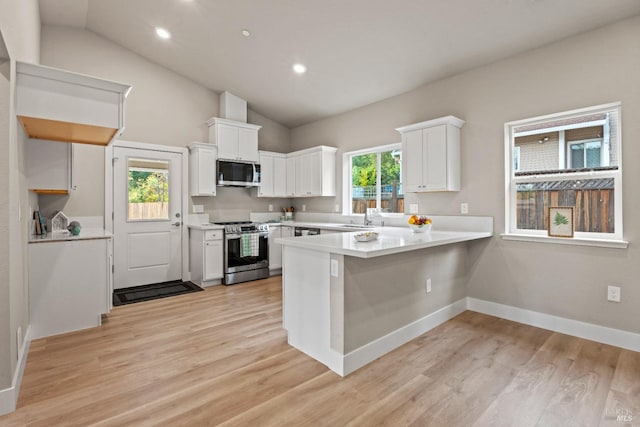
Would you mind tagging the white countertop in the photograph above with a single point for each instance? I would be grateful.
(206, 226)
(85, 234)
(322, 225)
(391, 240)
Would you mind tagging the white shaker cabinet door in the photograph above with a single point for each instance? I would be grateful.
(213, 260)
(227, 141)
(292, 169)
(414, 158)
(202, 163)
(247, 145)
(275, 249)
(267, 171)
(435, 158)
(279, 177)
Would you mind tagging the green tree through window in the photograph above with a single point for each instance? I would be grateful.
(376, 180)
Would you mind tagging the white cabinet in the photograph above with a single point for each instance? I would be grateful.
(206, 251)
(314, 170)
(431, 155)
(275, 249)
(292, 162)
(58, 105)
(49, 167)
(325, 231)
(202, 166)
(236, 141)
(273, 175)
(69, 285)
(213, 251)
(287, 231)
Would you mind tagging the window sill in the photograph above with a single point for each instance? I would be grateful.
(601, 243)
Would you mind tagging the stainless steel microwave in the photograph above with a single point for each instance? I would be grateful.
(238, 174)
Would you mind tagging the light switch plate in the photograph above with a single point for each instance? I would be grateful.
(198, 208)
(413, 208)
(464, 208)
(270, 208)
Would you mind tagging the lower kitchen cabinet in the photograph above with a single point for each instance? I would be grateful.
(70, 285)
(206, 251)
(275, 249)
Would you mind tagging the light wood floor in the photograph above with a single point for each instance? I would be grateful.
(221, 357)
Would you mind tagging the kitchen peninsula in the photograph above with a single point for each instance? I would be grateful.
(346, 303)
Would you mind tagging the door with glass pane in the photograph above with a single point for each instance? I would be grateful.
(147, 216)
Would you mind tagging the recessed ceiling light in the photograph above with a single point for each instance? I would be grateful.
(299, 68)
(162, 33)
(245, 33)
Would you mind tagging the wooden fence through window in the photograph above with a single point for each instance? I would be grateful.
(155, 210)
(358, 205)
(593, 208)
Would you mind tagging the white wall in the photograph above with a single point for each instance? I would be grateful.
(163, 108)
(590, 69)
(20, 29)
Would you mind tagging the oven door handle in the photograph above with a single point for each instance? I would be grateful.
(234, 236)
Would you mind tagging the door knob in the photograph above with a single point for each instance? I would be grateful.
(177, 224)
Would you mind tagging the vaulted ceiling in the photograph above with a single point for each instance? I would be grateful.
(356, 51)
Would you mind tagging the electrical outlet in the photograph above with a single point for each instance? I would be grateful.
(413, 208)
(613, 293)
(337, 207)
(198, 208)
(427, 284)
(270, 208)
(334, 268)
(304, 208)
(464, 208)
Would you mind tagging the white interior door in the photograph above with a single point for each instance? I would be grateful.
(147, 216)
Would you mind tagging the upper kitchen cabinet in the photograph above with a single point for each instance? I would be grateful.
(314, 170)
(49, 167)
(273, 174)
(58, 105)
(202, 169)
(431, 155)
(236, 141)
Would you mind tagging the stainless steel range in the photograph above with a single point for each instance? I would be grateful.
(246, 251)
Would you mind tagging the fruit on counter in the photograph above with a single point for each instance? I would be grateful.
(419, 220)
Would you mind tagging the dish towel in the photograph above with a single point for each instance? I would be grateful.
(249, 245)
(255, 244)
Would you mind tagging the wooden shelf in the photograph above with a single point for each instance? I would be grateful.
(63, 192)
(54, 130)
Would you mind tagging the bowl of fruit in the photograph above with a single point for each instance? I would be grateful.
(420, 224)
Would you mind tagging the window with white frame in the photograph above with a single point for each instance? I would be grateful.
(569, 159)
(373, 179)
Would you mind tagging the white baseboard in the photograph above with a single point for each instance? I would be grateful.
(590, 331)
(9, 396)
(369, 352)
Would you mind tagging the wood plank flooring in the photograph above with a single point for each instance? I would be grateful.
(220, 357)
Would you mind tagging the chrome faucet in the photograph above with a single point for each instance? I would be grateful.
(367, 221)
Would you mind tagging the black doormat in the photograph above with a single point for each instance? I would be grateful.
(154, 291)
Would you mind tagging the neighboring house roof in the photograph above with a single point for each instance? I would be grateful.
(564, 122)
(582, 184)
